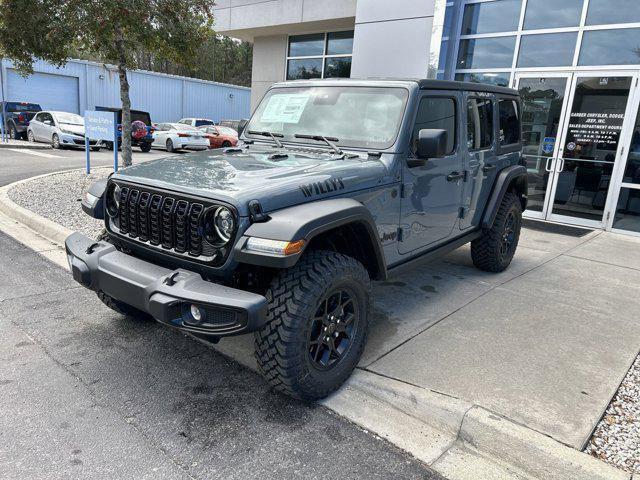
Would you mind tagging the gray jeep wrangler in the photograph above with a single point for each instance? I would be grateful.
(335, 183)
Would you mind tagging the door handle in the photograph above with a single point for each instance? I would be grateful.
(488, 168)
(561, 167)
(454, 176)
(547, 167)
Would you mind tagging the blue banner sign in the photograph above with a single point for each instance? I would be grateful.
(99, 125)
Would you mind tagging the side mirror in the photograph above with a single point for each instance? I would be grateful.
(432, 143)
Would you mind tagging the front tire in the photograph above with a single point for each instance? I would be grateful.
(226, 144)
(145, 147)
(55, 141)
(317, 323)
(494, 250)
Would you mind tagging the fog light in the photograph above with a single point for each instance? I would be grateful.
(196, 313)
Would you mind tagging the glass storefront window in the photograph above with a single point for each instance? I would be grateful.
(632, 170)
(628, 210)
(499, 79)
(337, 67)
(306, 45)
(548, 50)
(332, 50)
(304, 69)
(552, 14)
(602, 12)
(340, 43)
(610, 47)
(486, 52)
(491, 17)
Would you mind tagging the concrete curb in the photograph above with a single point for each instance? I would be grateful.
(54, 232)
(26, 145)
(460, 440)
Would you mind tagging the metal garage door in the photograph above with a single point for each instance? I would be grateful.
(52, 92)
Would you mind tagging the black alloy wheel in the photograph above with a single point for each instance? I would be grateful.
(333, 328)
(509, 234)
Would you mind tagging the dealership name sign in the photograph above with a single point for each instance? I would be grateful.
(589, 128)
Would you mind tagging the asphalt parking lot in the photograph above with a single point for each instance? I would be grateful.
(18, 164)
(89, 394)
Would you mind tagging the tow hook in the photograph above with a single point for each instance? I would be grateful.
(170, 280)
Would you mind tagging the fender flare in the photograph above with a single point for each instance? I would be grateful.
(305, 222)
(96, 189)
(506, 178)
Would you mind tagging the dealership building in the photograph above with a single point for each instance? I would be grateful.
(576, 64)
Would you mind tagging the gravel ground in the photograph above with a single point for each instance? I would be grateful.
(616, 439)
(57, 197)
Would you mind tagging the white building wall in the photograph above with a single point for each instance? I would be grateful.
(392, 42)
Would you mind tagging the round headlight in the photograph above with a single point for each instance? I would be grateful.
(116, 196)
(224, 223)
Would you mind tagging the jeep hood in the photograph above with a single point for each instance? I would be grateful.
(277, 178)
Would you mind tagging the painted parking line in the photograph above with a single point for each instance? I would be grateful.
(34, 152)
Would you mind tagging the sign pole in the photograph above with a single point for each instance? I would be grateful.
(88, 154)
(4, 112)
(115, 142)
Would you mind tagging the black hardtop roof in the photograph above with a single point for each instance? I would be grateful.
(423, 84)
(427, 84)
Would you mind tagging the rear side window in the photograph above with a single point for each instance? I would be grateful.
(479, 123)
(436, 112)
(200, 123)
(509, 122)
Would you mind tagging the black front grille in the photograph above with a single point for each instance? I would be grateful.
(163, 221)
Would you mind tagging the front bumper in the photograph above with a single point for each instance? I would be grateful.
(165, 294)
(77, 140)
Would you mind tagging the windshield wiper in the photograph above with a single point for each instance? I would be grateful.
(319, 138)
(269, 134)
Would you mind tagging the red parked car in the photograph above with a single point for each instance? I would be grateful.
(220, 137)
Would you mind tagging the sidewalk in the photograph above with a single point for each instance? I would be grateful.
(24, 144)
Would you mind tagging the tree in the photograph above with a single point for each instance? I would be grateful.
(113, 30)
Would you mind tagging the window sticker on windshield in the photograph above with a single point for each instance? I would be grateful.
(285, 108)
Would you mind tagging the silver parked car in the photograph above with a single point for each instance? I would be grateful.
(61, 129)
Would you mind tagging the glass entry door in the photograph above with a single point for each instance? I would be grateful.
(571, 167)
(543, 102)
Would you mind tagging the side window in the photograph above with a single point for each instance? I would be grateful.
(509, 122)
(479, 123)
(436, 112)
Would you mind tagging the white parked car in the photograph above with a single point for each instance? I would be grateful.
(197, 122)
(178, 136)
(61, 129)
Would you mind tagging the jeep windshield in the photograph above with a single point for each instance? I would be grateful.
(360, 117)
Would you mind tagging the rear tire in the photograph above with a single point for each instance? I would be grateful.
(317, 324)
(145, 147)
(494, 250)
(30, 136)
(116, 305)
(170, 148)
(13, 133)
(226, 144)
(95, 149)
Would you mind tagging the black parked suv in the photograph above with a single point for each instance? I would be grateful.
(336, 183)
(141, 132)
